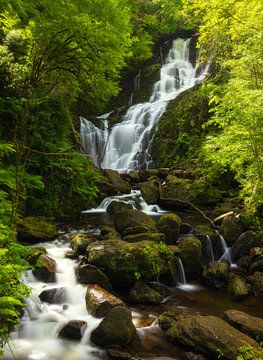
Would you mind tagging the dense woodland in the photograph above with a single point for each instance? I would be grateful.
(62, 59)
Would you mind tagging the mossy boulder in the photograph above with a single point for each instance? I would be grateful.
(105, 187)
(90, 274)
(178, 189)
(169, 224)
(216, 274)
(150, 191)
(46, 269)
(116, 180)
(79, 243)
(140, 293)
(245, 242)
(35, 229)
(99, 301)
(256, 282)
(257, 264)
(108, 232)
(205, 333)
(156, 237)
(133, 221)
(115, 329)
(124, 263)
(231, 228)
(247, 324)
(237, 288)
(117, 206)
(134, 176)
(35, 254)
(146, 174)
(191, 255)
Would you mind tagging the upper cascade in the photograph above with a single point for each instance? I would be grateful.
(126, 146)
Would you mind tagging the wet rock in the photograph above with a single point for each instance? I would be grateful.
(191, 255)
(177, 189)
(35, 254)
(146, 174)
(216, 274)
(185, 228)
(35, 229)
(205, 333)
(247, 324)
(71, 255)
(115, 329)
(119, 354)
(237, 288)
(90, 274)
(244, 243)
(116, 180)
(53, 296)
(108, 232)
(46, 270)
(99, 301)
(244, 262)
(150, 191)
(140, 293)
(156, 237)
(257, 264)
(73, 330)
(133, 221)
(134, 176)
(117, 206)
(123, 262)
(107, 188)
(256, 283)
(79, 243)
(231, 228)
(169, 224)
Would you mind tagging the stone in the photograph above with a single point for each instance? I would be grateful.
(116, 180)
(107, 188)
(134, 176)
(117, 353)
(73, 330)
(133, 221)
(205, 333)
(216, 274)
(244, 243)
(244, 262)
(79, 243)
(257, 264)
(191, 255)
(237, 288)
(150, 191)
(185, 228)
(169, 224)
(247, 324)
(140, 293)
(99, 301)
(256, 282)
(108, 232)
(117, 206)
(54, 295)
(35, 254)
(90, 274)
(115, 329)
(46, 270)
(35, 229)
(178, 189)
(231, 228)
(125, 262)
(146, 174)
(156, 237)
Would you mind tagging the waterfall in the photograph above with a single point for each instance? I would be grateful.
(209, 253)
(127, 145)
(181, 273)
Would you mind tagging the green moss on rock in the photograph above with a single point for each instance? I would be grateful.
(36, 229)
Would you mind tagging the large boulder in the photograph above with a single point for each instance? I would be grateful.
(256, 282)
(156, 237)
(79, 243)
(115, 329)
(35, 229)
(105, 187)
(108, 232)
(124, 262)
(140, 293)
(133, 221)
(54, 295)
(177, 188)
(99, 301)
(250, 325)
(90, 274)
(73, 330)
(169, 224)
(46, 269)
(35, 254)
(146, 174)
(117, 206)
(150, 191)
(244, 243)
(237, 288)
(204, 333)
(231, 228)
(116, 180)
(134, 176)
(191, 255)
(216, 274)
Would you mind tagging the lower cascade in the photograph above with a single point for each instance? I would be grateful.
(126, 146)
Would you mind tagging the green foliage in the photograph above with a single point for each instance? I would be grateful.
(247, 352)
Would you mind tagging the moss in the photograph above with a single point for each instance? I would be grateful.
(35, 229)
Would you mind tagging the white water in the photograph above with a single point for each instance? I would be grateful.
(128, 143)
(37, 336)
(181, 273)
(209, 250)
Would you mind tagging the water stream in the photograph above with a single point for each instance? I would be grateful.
(127, 145)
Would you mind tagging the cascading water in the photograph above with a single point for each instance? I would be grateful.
(127, 145)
